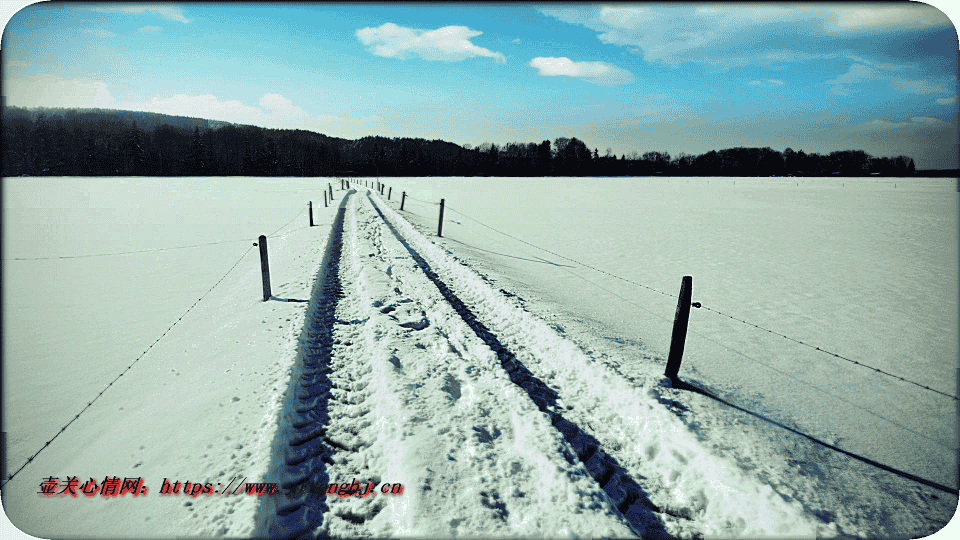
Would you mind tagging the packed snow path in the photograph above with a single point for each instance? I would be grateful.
(414, 371)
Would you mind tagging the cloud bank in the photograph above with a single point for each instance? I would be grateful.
(719, 35)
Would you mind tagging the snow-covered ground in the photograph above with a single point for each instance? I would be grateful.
(495, 382)
(857, 267)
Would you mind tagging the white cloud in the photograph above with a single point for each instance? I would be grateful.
(274, 111)
(16, 63)
(858, 73)
(871, 63)
(151, 28)
(882, 18)
(928, 122)
(883, 124)
(947, 101)
(600, 73)
(917, 87)
(164, 11)
(99, 32)
(630, 18)
(447, 44)
(201, 106)
(281, 107)
(53, 91)
(917, 122)
(769, 83)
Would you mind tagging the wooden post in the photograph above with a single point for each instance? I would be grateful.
(341, 184)
(440, 223)
(403, 199)
(680, 320)
(311, 213)
(264, 267)
(330, 188)
(389, 192)
(324, 199)
(382, 187)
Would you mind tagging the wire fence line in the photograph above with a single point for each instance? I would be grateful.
(861, 364)
(287, 223)
(748, 357)
(144, 353)
(421, 200)
(151, 250)
(122, 252)
(661, 317)
(774, 332)
(165, 332)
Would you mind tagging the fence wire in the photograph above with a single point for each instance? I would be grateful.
(817, 348)
(144, 353)
(151, 250)
(744, 355)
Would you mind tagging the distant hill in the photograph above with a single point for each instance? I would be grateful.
(146, 121)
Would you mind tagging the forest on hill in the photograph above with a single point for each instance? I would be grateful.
(100, 142)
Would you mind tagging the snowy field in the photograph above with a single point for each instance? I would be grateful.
(510, 390)
(855, 266)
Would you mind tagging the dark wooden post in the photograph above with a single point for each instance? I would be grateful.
(382, 187)
(403, 199)
(330, 188)
(680, 320)
(264, 267)
(341, 184)
(389, 192)
(440, 223)
(311, 213)
(324, 199)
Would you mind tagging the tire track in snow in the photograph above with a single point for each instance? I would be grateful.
(625, 493)
(473, 460)
(620, 431)
(396, 388)
(306, 454)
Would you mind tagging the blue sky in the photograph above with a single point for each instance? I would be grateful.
(629, 77)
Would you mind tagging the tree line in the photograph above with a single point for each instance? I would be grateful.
(96, 142)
